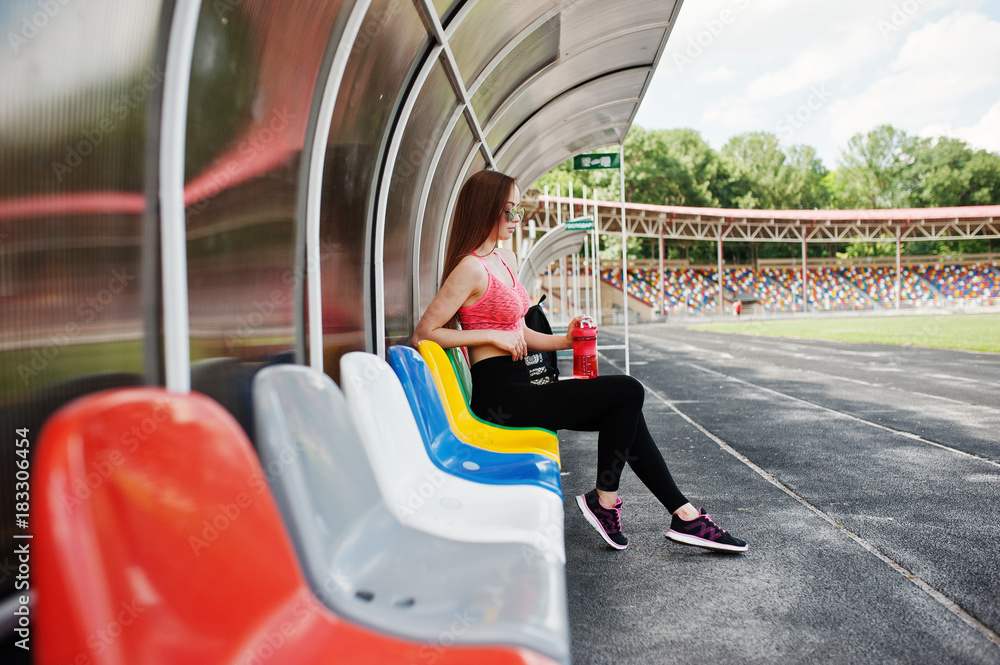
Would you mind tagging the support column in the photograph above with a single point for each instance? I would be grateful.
(576, 285)
(552, 296)
(621, 172)
(805, 283)
(563, 288)
(663, 288)
(899, 270)
(597, 266)
(718, 247)
(587, 265)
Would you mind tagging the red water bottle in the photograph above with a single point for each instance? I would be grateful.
(585, 349)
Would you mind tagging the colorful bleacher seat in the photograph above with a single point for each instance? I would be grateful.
(473, 429)
(447, 450)
(419, 493)
(177, 554)
(364, 563)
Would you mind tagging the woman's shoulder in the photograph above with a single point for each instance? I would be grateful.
(471, 265)
(469, 269)
(509, 257)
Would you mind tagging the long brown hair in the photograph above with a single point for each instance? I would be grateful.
(477, 212)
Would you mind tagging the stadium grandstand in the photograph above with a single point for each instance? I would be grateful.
(776, 285)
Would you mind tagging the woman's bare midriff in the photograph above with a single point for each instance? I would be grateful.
(484, 351)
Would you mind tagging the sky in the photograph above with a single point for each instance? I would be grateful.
(817, 73)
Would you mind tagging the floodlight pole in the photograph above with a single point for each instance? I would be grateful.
(621, 172)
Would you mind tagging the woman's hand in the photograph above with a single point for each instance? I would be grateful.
(510, 341)
(575, 323)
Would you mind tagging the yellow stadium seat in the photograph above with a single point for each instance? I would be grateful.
(473, 429)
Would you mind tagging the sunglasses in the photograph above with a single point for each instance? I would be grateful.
(515, 213)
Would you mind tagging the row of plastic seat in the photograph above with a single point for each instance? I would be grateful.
(367, 531)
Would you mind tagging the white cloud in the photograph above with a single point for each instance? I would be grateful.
(985, 134)
(943, 72)
(735, 112)
(940, 65)
(721, 74)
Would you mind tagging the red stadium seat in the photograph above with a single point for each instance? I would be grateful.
(157, 540)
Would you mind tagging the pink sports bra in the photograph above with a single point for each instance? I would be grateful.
(501, 308)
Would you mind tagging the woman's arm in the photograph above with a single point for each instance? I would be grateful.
(541, 342)
(464, 283)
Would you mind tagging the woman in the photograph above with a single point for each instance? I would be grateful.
(482, 292)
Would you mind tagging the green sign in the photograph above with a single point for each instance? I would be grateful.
(580, 224)
(597, 160)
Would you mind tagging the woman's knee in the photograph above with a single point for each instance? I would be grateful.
(633, 390)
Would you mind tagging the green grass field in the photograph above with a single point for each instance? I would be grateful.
(972, 332)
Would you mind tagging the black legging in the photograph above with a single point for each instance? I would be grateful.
(610, 405)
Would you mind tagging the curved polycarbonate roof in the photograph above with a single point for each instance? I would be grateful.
(244, 144)
(568, 79)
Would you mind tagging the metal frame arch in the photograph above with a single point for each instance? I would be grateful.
(510, 46)
(308, 262)
(425, 192)
(173, 135)
(615, 127)
(389, 162)
(450, 210)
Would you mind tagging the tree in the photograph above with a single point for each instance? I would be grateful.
(946, 172)
(675, 167)
(874, 169)
(765, 176)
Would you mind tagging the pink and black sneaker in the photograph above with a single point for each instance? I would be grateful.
(703, 532)
(607, 521)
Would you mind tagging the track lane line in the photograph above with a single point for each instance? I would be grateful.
(989, 384)
(893, 430)
(918, 581)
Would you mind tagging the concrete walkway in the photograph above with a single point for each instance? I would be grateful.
(865, 478)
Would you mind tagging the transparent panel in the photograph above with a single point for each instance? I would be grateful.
(538, 50)
(588, 23)
(73, 134)
(447, 178)
(434, 107)
(446, 8)
(381, 65)
(243, 178)
(531, 160)
(570, 73)
(486, 28)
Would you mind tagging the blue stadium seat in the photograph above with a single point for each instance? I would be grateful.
(451, 454)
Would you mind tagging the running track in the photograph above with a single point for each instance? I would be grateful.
(866, 479)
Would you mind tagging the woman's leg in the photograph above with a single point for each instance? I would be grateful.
(609, 405)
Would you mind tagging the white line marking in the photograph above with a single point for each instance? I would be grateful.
(946, 602)
(909, 435)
